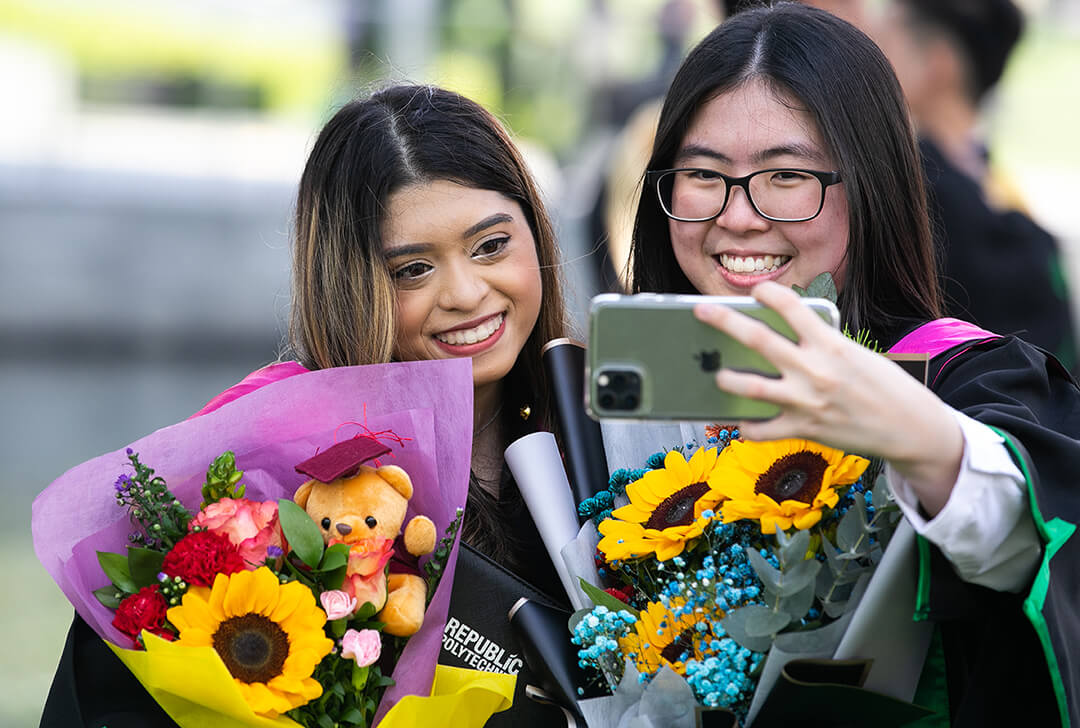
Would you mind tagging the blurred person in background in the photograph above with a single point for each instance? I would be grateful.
(419, 234)
(1002, 270)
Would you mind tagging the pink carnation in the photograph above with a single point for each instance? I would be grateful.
(337, 604)
(364, 646)
(251, 526)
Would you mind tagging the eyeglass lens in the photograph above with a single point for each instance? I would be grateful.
(699, 195)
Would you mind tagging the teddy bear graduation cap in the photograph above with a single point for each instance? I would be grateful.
(343, 459)
(365, 507)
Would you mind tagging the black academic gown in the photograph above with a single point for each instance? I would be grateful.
(1014, 659)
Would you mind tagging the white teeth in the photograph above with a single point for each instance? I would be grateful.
(473, 335)
(753, 264)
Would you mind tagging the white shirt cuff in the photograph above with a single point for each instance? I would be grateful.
(985, 528)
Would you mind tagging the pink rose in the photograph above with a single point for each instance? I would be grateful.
(337, 604)
(364, 646)
(251, 526)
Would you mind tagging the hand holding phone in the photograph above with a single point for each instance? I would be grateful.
(649, 358)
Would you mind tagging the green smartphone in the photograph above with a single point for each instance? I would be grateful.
(648, 358)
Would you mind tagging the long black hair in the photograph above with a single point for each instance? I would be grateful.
(849, 89)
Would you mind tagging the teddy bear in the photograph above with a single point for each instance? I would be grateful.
(364, 507)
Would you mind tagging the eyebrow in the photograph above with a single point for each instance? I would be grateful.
(793, 149)
(490, 221)
(418, 248)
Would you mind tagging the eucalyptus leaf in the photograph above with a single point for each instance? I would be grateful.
(144, 565)
(116, 568)
(822, 287)
(764, 622)
(798, 576)
(600, 597)
(850, 530)
(793, 549)
(107, 596)
(735, 626)
(798, 604)
(770, 577)
(882, 495)
(301, 532)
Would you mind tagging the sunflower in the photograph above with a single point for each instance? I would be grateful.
(783, 483)
(665, 509)
(660, 638)
(269, 635)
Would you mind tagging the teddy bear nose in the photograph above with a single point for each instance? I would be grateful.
(344, 529)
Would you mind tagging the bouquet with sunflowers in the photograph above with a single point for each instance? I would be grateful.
(223, 600)
(719, 563)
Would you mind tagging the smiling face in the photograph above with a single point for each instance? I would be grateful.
(737, 133)
(465, 268)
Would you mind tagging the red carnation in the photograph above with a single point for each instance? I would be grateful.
(622, 593)
(198, 557)
(143, 610)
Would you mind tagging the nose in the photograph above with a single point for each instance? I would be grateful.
(464, 287)
(739, 214)
(344, 529)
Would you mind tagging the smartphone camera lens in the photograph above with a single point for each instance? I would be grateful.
(618, 390)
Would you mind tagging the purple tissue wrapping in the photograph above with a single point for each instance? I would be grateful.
(271, 430)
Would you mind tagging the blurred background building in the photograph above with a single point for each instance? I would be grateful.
(149, 153)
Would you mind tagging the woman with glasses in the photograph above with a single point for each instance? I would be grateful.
(784, 151)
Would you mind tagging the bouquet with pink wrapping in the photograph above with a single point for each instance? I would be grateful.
(203, 571)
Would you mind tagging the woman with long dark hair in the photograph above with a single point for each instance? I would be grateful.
(784, 151)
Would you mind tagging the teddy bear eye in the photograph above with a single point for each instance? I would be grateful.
(326, 523)
(371, 522)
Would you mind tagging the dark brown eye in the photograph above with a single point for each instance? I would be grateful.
(326, 524)
(371, 522)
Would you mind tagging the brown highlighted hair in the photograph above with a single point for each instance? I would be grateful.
(344, 301)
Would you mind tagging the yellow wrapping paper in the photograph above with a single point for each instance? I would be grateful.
(195, 688)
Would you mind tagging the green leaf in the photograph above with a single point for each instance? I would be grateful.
(770, 577)
(764, 622)
(325, 722)
(735, 625)
(115, 567)
(301, 532)
(366, 611)
(822, 286)
(334, 579)
(144, 565)
(354, 716)
(601, 598)
(798, 604)
(383, 681)
(359, 677)
(338, 627)
(800, 290)
(107, 596)
(335, 557)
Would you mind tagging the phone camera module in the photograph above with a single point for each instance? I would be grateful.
(618, 390)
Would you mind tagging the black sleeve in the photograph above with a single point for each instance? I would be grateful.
(998, 672)
(93, 689)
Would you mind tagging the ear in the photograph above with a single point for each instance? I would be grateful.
(397, 478)
(300, 497)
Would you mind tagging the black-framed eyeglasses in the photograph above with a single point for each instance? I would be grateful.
(780, 195)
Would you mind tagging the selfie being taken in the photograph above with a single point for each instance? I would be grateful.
(594, 366)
